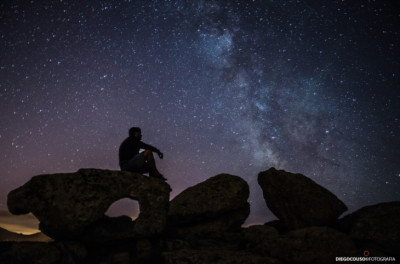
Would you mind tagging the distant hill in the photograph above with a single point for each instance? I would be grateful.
(6, 235)
(23, 224)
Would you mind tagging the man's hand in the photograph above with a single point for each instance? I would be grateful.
(161, 155)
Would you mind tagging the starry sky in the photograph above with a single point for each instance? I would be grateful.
(218, 86)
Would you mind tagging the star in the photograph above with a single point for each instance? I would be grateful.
(235, 87)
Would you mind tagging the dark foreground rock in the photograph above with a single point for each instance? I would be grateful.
(70, 205)
(39, 252)
(298, 201)
(376, 228)
(215, 205)
(380, 222)
(203, 225)
(217, 256)
(308, 245)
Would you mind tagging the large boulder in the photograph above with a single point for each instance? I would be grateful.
(69, 204)
(65, 252)
(216, 256)
(380, 222)
(256, 235)
(308, 245)
(297, 200)
(217, 204)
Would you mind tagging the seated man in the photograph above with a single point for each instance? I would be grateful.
(131, 160)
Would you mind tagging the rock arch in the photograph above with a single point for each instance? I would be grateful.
(69, 204)
(124, 206)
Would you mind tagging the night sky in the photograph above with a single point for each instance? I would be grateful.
(218, 86)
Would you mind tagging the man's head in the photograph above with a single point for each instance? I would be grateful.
(135, 132)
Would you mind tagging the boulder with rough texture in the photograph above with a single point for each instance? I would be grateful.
(309, 245)
(217, 256)
(297, 200)
(67, 204)
(380, 222)
(226, 222)
(217, 204)
(40, 252)
(257, 234)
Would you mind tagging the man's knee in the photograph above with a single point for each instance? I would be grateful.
(148, 153)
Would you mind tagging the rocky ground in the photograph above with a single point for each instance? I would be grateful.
(200, 225)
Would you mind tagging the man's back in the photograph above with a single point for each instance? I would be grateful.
(128, 149)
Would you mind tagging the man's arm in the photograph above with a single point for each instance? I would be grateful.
(143, 145)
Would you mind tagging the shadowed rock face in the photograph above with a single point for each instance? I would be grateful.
(380, 222)
(310, 245)
(219, 256)
(297, 200)
(68, 203)
(204, 223)
(39, 252)
(217, 204)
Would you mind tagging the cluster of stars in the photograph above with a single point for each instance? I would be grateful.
(218, 86)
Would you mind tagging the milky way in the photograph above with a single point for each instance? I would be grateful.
(219, 86)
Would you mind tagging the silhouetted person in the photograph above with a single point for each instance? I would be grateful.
(131, 160)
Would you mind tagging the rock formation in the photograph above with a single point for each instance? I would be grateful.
(70, 205)
(219, 256)
(298, 201)
(202, 225)
(65, 252)
(217, 204)
(376, 227)
(308, 245)
(380, 222)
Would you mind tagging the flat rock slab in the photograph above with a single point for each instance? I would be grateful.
(68, 203)
(297, 200)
